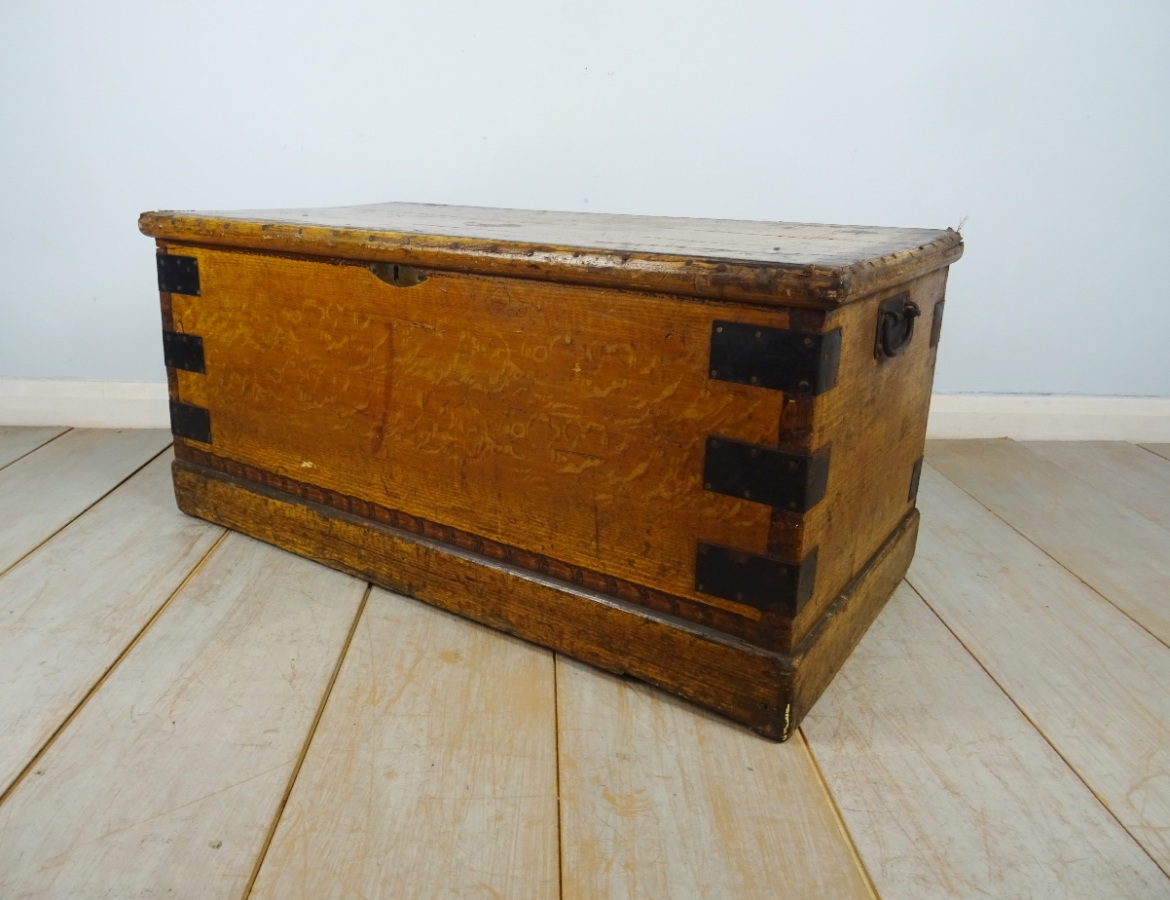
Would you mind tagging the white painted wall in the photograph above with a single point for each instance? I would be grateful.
(1046, 125)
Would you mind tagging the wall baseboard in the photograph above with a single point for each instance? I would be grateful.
(1026, 417)
(1043, 417)
(84, 404)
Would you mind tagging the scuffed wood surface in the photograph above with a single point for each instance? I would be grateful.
(42, 492)
(787, 243)
(1067, 518)
(1087, 676)
(17, 441)
(433, 769)
(660, 800)
(796, 263)
(946, 788)
(69, 610)
(1129, 474)
(168, 779)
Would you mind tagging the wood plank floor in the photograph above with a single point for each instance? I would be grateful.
(190, 713)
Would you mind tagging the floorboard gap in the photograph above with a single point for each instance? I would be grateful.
(837, 815)
(292, 778)
(16, 782)
(73, 519)
(1056, 561)
(557, 750)
(43, 444)
(1038, 729)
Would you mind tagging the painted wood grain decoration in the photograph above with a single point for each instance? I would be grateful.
(482, 404)
(874, 423)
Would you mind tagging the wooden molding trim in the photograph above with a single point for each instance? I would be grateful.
(767, 691)
(731, 279)
(770, 631)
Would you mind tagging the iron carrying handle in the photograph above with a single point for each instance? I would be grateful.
(895, 326)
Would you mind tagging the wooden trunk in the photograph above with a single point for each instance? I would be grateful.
(682, 449)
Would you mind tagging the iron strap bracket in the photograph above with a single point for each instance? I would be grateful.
(936, 322)
(915, 478)
(178, 274)
(183, 351)
(791, 481)
(774, 358)
(191, 422)
(764, 582)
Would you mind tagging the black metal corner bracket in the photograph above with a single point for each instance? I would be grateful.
(178, 274)
(764, 582)
(191, 422)
(774, 358)
(790, 481)
(915, 478)
(183, 351)
(936, 322)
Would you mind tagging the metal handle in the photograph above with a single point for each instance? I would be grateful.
(895, 325)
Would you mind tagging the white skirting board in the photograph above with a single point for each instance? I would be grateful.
(143, 404)
(1050, 417)
(84, 404)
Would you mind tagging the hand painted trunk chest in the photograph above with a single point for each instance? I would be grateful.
(682, 449)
